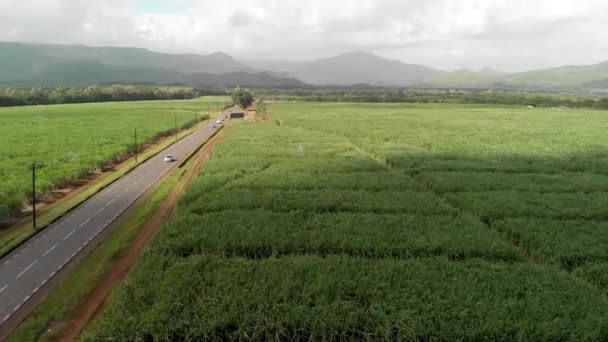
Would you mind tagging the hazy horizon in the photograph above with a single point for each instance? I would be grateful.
(508, 36)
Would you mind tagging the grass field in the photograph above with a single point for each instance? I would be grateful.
(71, 140)
(384, 222)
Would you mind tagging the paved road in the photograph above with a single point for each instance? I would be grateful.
(25, 271)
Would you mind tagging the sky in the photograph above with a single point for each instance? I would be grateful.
(508, 35)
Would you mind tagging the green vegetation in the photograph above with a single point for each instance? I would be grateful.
(37, 65)
(383, 222)
(72, 140)
(241, 97)
(559, 101)
(261, 110)
(36, 96)
(581, 77)
(567, 77)
(464, 79)
(338, 298)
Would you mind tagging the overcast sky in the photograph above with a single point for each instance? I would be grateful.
(510, 35)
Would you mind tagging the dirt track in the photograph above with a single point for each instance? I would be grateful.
(93, 304)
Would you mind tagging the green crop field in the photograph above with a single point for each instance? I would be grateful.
(383, 222)
(71, 140)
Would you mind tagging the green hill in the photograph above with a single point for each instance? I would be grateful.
(117, 56)
(464, 79)
(568, 77)
(27, 65)
(357, 67)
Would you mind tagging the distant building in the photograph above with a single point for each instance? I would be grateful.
(237, 115)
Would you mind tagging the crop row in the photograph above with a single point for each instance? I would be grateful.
(531, 182)
(328, 200)
(346, 298)
(261, 233)
(493, 205)
(438, 162)
(370, 181)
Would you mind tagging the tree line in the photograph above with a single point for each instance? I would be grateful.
(498, 97)
(39, 96)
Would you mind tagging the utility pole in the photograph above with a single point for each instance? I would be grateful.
(34, 166)
(136, 144)
(175, 126)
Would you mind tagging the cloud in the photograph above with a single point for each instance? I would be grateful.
(239, 19)
(505, 34)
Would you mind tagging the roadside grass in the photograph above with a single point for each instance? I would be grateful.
(64, 299)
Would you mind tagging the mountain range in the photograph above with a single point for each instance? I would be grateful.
(26, 65)
(352, 68)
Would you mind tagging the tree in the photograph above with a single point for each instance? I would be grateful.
(241, 97)
(603, 103)
(261, 110)
(38, 95)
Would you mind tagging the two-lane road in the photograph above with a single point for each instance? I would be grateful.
(26, 270)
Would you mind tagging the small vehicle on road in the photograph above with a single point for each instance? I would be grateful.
(169, 158)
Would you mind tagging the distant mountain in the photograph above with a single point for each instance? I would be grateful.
(187, 63)
(465, 79)
(275, 67)
(591, 77)
(361, 67)
(353, 68)
(242, 79)
(492, 73)
(27, 65)
(568, 77)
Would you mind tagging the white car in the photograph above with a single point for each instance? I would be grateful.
(169, 158)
